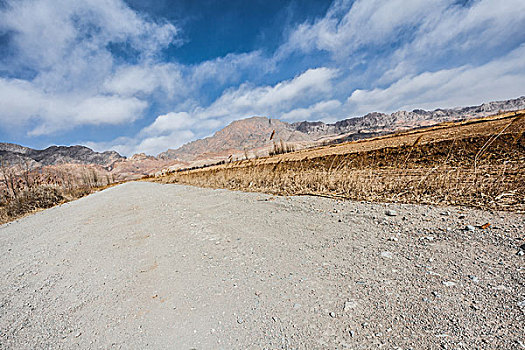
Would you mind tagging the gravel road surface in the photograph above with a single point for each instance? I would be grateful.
(151, 266)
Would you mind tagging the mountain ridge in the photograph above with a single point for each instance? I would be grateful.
(54, 155)
(253, 134)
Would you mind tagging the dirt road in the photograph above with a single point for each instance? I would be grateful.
(151, 266)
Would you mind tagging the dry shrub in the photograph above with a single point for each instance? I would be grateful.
(31, 199)
(24, 191)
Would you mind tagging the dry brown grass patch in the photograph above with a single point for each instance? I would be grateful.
(477, 164)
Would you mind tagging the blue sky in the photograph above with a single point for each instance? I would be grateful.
(145, 76)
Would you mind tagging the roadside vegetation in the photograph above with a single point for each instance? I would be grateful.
(24, 190)
(477, 163)
(280, 148)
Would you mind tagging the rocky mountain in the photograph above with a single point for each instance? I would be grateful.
(76, 159)
(240, 135)
(54, 155)
(382, 123)
(255, 134)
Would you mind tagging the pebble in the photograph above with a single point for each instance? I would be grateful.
(296, 306)
(449, 283)
(240, 320)
(474, 278)
(391, 212)
(332, 314)
(387, 255)
(349, 305)
(470, 228)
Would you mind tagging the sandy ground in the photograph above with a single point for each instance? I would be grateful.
(151, 266)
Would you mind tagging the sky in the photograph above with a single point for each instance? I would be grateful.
(149, 75)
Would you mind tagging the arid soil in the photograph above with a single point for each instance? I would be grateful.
(152, 266)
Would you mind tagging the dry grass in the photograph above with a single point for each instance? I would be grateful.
(478, 164)
(279, 148)
(23, 192)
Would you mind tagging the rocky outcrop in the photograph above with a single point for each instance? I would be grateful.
(381, 122)
(54, 155)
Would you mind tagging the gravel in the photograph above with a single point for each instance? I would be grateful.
(248, 270)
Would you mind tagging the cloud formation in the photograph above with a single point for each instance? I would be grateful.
(65, 50)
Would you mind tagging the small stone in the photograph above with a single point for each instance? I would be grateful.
(470, 228)
(296, 306)
(502, 287)
(78, 334)
(474, 278)
(332, 314)
(449, 283)
(521, 253)
(391, 212)
(349, 305)
(386, 255)
(240, 320)
(352, 333)
(393, 239)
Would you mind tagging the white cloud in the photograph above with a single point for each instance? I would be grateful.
(349, 26)
(230, 68)
(460, 35)
(467, 85)
(47, 31)
(21, 103)
(320, 111)
(248, 100)
(131, 80)
(170, 122)
(66, 43)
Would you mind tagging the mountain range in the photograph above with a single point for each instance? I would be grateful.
(253, 135)
(12, 154)
(250, 137)
(80, 157)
